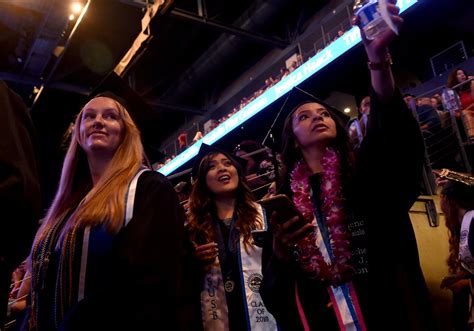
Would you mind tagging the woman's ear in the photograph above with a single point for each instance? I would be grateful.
(78, 140)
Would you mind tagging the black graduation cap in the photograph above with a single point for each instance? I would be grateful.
(298, 96)
(207, 149)
(114, 87)
(295, 98)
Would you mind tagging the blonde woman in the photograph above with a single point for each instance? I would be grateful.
(107, 254)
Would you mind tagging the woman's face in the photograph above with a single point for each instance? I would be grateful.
(365, 106)
(101, 128)
(461, 76)
(222, 177)
(313, 125)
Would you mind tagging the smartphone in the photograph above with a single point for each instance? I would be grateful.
(284, 207)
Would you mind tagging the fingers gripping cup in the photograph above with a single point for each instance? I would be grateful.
(373, 17)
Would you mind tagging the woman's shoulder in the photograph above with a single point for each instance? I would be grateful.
(155, 193)
(153, 180)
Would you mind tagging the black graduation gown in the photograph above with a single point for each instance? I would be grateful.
(132, 279)
(194, 277)
(20, 200)
(393, 294)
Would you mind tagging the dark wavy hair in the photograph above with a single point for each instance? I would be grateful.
(453, 79)
(202, 208)
(291, 154)
(455, 196)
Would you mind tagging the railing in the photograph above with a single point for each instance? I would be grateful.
(333, 26)
(242, 113)
(448, 58)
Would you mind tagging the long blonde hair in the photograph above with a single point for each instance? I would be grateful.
(104, 203)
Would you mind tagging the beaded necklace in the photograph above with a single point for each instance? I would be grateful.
(64, 275)
(41, 255)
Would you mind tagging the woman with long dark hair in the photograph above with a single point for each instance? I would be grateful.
(221, 218)
(353, 263)
(466, 90)
(465, 115)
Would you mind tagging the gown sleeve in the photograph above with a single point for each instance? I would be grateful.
(278, 288)
(20, 200)
(387, 182)
(390, 159)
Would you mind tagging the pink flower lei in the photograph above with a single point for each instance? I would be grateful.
(309, 256)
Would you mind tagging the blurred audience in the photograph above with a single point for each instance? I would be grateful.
(427, 116)
(259, 171)
(466, 90)
(357, 126)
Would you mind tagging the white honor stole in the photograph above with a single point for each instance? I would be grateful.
(213, 300)
(465, 256)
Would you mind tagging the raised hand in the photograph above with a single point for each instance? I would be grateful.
(379, 58)
(377, 48)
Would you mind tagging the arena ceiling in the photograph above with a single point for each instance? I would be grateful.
(197, 48)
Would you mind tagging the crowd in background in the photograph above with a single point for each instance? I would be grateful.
(433, 112)
(117, 250)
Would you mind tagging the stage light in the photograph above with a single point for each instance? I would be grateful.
(347, 110)
(76, 7)
(72, 17)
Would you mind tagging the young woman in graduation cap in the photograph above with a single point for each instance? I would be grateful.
(107, 256)
(353, 264)
(221, 218)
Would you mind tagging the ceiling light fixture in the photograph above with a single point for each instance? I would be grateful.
(76, 7)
